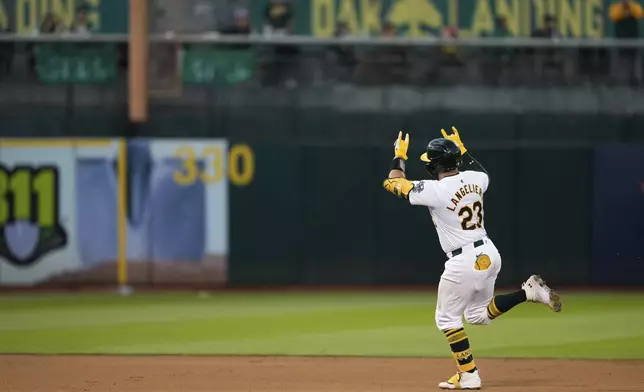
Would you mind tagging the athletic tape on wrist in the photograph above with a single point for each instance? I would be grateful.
(398, 164)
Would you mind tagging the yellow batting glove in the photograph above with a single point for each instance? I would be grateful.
(400, 146)
(398, 186)
(456, 138)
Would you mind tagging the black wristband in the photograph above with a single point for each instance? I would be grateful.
(398, 164)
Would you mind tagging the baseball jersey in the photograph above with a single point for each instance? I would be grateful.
(456, 206)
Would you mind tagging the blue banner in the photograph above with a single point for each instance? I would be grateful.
(618, 231)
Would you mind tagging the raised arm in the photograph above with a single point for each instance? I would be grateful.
(396, 182)
(400, 157)
(468, 160)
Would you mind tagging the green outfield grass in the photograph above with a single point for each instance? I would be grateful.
(382, 324)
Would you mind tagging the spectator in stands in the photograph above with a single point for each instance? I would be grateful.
(341, 30)
(450, 52)
(278, 17)
(241, 26)
(341, 58)
(501, 29)
(384, 65)
(626, 15)
(389, 30)
(242, 22)
(547, 59)
(283, 66)
(50, 24)
(81, 24)
(549, 29)
(498, 59)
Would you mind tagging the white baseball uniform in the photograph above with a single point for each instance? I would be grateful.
(467, 285)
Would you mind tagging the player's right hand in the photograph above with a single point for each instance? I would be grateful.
(400, 146)
(456, 138)
(398, 186)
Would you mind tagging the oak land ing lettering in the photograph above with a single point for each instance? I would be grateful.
(575, 18)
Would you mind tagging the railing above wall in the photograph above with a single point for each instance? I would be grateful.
(347, 74)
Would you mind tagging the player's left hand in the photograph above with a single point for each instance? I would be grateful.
(456, 138)
(400, 146)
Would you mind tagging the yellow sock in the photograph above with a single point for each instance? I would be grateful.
(492, 311)
(460, 345)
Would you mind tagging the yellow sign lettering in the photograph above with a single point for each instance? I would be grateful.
(28, 194)
(452, 12)
(212, 173)
(483, 18)
(525, 27)
(188, 175)
(44, 8)
(512, 14)
(31, 13)
(570, 17)
(215, 171)
(371, 16)
(542, 8)
(64, 10)
(20, 184)
(241, 162)
(323, 18)
(4, 19)
(207, 166)
(45, 185)
(26, 16)
(594, 18)
(348, 15)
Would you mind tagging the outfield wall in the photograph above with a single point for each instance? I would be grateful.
(210, 212)
(303, 203)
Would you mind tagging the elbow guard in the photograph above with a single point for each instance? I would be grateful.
(398, 186)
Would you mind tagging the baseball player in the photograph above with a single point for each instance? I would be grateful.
(455, 202)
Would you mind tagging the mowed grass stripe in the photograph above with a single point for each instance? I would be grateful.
(75, 301)
(396, 324)
(518, 337)
(67, 317)
(78, 339)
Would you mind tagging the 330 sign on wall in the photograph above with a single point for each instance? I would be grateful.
(240, 165)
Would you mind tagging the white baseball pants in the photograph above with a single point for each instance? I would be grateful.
(465, 290)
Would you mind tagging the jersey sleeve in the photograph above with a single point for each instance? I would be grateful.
(471, 164)
(485, 180)
(423, 193)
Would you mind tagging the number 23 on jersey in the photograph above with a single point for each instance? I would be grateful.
(471, 216)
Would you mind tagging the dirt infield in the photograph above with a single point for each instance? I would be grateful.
(305, 374)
